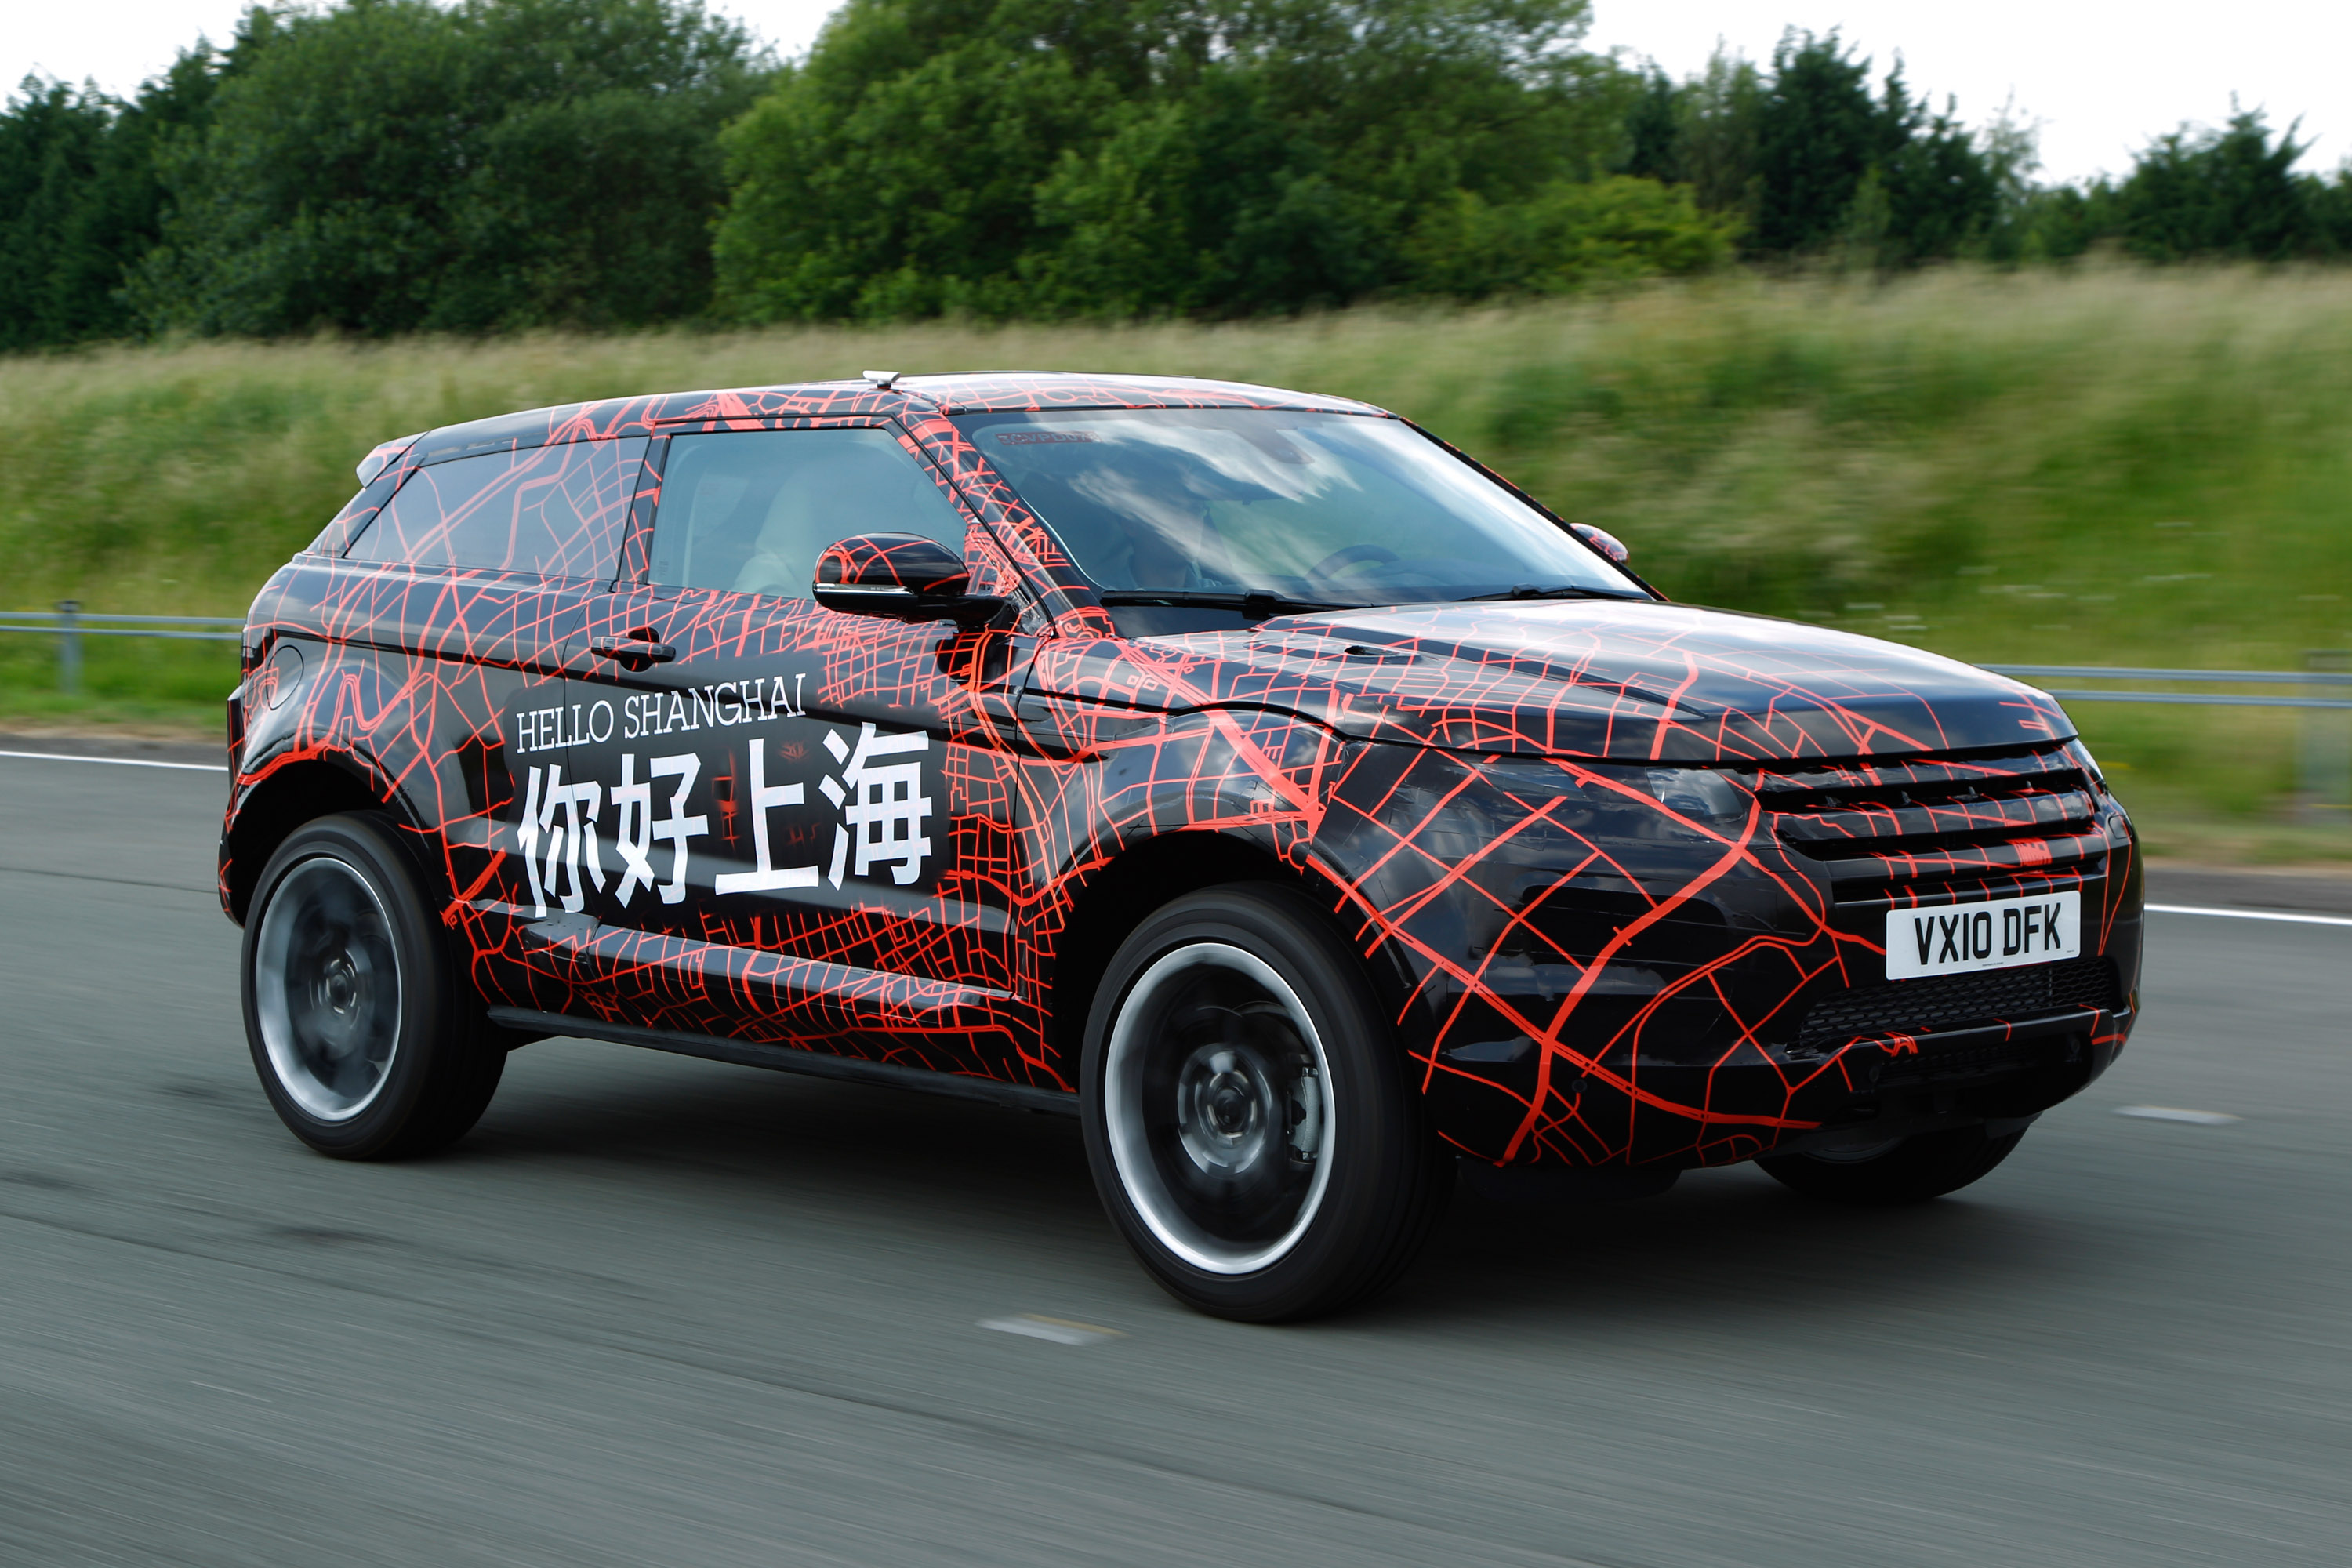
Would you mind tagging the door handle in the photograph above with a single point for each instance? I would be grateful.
(630, 652)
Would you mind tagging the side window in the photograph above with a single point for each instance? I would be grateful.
(555, 510)
(750, 511)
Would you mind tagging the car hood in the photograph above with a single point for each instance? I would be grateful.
(1628, 681)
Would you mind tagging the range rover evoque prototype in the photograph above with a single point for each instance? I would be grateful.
(1245, 772)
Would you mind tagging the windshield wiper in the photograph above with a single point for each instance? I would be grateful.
(1529, 591)
(1254, 607)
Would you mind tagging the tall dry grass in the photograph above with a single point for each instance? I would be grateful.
(2106, 466)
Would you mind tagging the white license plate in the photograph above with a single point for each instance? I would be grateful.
(2000, 933)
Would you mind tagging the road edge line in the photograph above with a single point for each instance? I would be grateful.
(118, 762)
(2249, 915)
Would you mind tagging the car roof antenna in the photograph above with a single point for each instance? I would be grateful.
(884, 379)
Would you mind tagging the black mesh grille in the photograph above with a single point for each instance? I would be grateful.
(1951, 823)
(1958, 1001)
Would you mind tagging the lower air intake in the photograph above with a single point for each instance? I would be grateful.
(1957, 1002)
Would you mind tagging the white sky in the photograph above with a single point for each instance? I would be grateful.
(2101, 78)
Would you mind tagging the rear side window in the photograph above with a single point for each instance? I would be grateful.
(557, 512)
(750, 511)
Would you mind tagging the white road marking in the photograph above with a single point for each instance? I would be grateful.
(2250, 915)
(1061, 1331)
(123, 761)
(2166, 1114)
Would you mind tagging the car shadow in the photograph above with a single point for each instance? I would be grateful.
(1725, 1239)
(909, 1163)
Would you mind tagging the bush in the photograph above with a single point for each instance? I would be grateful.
(1566, 236)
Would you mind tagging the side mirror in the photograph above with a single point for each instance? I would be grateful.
(903, 575)
(1603, 541)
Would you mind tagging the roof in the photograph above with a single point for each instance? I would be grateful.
(1004, 390)
(980, 392)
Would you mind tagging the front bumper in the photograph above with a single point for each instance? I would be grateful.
(1591, 977)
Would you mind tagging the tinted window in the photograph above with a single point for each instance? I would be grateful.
(1349, 509)
(555, 510)
(750, 511)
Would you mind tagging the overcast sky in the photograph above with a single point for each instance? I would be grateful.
(2101, 78)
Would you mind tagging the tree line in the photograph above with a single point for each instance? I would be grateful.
(381, 166)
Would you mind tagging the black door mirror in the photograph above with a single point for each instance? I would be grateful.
(904, 575)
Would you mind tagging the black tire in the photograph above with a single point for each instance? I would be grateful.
(1925, 1166)
(1192, 1053)
(370, 1043)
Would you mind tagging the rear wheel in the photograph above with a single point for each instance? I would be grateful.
(1924, 1166)
(1248, 1119)
(369, 1043)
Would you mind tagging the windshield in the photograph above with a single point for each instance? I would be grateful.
(1323, 509)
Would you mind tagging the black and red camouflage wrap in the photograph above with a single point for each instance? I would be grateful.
(1583, 967)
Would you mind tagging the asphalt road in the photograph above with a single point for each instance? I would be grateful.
(661, 1311)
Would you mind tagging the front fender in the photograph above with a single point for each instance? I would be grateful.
(1589, 967)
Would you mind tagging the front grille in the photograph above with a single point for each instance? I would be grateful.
(1946, 1002)
(1953, 824)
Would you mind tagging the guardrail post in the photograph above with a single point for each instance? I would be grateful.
(2324, 758)
(68, 647)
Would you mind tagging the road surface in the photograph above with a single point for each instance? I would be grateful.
(662, 1311)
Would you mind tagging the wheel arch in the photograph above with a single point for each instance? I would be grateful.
(1141, 878)
(269, 811)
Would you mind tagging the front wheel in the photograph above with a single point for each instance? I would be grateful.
(369, 1043)
(1926, 1165)
(1248, 1119)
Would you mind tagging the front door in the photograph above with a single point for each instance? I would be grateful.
(793, 813)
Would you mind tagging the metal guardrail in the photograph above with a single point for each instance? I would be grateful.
(69, 623)
(2324, 764)
(2317, 676)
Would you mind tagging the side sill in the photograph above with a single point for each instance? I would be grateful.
(791, 1059)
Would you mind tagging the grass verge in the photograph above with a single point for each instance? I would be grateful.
(2116, 466)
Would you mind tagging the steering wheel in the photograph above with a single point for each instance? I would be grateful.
(1339, 561)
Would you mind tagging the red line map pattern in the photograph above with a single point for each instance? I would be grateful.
(1591, 958)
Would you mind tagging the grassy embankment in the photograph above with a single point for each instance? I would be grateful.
(2122, 468)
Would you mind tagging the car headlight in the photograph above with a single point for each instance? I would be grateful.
(1703, 795)
(1574, 797)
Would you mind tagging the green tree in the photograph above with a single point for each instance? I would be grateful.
(1569, 234)
(894, 172)
(389, 165)
(81, 198)
(1095, 156)
(51, 141)
(2226, 192)
(1817, 133)
(1942, 192)
(118, 214)
(2331, 212)
(1653, 130)
(1815, 161)
(1716, 134)
(1204, 203)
